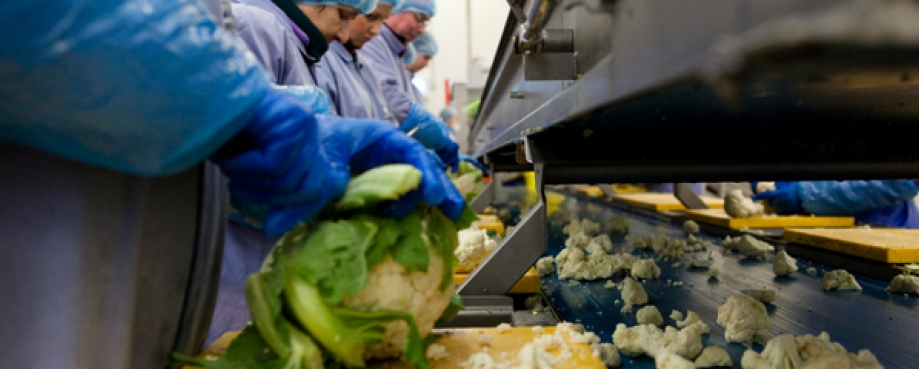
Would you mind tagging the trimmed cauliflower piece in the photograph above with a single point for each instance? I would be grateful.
(671, 361)
(579, 240)
(544, 265)
(485, 339)
(736, 205)
(730, 243)
(690, 227)
(600, 243)
(632, 294)
(904, 284)
(764, 186)
(676, 315)
(693, 319)
(752, 248)
(582, 226)
(474, 247)
(436, 351)
(812, 271)
(765, 295)
(714, 272)
(668, 247)
(713, 356)
(647, 339)
(607, 353)
(618, 224)
(503, 328)
(639, 241)
(609, 284)
(532, 357)
(839, 279)
(780, 353)
(649, 315)
(645, 269)
(745, 320)
(700, 263)
(783, 264)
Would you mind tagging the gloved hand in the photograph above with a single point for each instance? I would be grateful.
(432, 132)
(786, 198)
(363, 144)
(314, 98)
(471, 160)
(279, 173)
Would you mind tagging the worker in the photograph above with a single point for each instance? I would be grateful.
(289, 37)
(885, 203)
(425, 48)
(351, 85)
(384, 55)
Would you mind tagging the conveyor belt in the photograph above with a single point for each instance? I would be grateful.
(887, 324)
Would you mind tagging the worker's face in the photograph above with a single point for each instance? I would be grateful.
(409, 25)
(332, 21)
(420, 63)
(365, 27)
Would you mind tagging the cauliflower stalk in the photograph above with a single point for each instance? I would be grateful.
(351, 285)
(745, 320)
(474, 246)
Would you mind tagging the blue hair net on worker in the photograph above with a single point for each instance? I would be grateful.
(393, 3)
(112, 61)
(410, 54)
(364, 6)
(417, 6)
(425, 44)
(448, 113)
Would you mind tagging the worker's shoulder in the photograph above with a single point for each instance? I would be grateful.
(250, 18)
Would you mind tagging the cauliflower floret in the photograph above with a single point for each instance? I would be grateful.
(700, 263)
(649, 315)
(783, 264)
(745, 320)
(579, 240)
(764, 186)
(633, 294)
(532, 357)
(670, 361)
(839, 279)
(485, 339)
(474, 247)
(618, 224)
(690, 227)
(582, 226)
(765, 295)
(503, 328)
(647, 339)
(730, 243)
(780, 353)
(713, 356)
(904, 284)
(736, 205)
(676, 315)
(600, 243)
(544, 265)
(436, 351)
(714, 272)
(607, 353)
(667, 247)
(692, 319)
(645, 269)
(639, 241)
(753, 248)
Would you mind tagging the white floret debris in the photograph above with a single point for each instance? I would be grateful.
(692, 318)
(474, 246)
(649, 315)
(906, 284)
(645, 269)
(632, 294)
(609, 284)
(639, 241)
(671, 361)
(839, 279)
(618, 224)
(647, 339)
(485, 339)
(745, 320)
(764, 186)
(736, 205)
(765, 295)
(752, 248)
(678, 283)
(807, 352)
(676, 315)
(690, 227)
(436, 351)
(608, 354)
(676, 265)
(783, 264)
(812, 271)
(582, 226)
(586, 258)
(714, 272)
(545, 265)
(503, 328)
(537, 329)
(713, 356)
(700, 263)
(573, 282)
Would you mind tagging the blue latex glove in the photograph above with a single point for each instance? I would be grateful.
(432, 132)
(363, 144)
(853, 197)
(786, 198)
(471, 160)
(314, 98)
(279, 173)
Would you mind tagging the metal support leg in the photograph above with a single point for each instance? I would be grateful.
(485, 198)
(687, 197)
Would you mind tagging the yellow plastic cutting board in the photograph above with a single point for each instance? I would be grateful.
(529, 283)
(894, 246)
(719, 218)
(490, 223)
(594, 191)
(462, 343)
(662, 201)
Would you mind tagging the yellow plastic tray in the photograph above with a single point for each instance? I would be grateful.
(662, 201)
(529, 283)
(719, 218)
(490, 223)
(893, 246)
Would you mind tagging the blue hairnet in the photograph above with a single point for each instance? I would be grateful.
(364, 6)
(394, 3)
(425, 44)
(410, 54)
(448, 113)
(417, 6)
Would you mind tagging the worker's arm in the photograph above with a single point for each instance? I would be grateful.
(837, 198)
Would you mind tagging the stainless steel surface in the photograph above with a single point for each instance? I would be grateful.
(485, 198)
(550, 67)
(533, 33)
(482, 311)
(687, 197)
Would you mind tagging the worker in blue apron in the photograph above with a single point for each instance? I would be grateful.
(289, 37)
(384, 54)
(351, 84)
(884, 203)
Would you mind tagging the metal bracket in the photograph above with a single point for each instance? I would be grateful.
(687, 197)
(550, 67)
(483, 311)
(485, 198)
(516, 254)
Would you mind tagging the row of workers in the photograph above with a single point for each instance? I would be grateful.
(155, 87)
